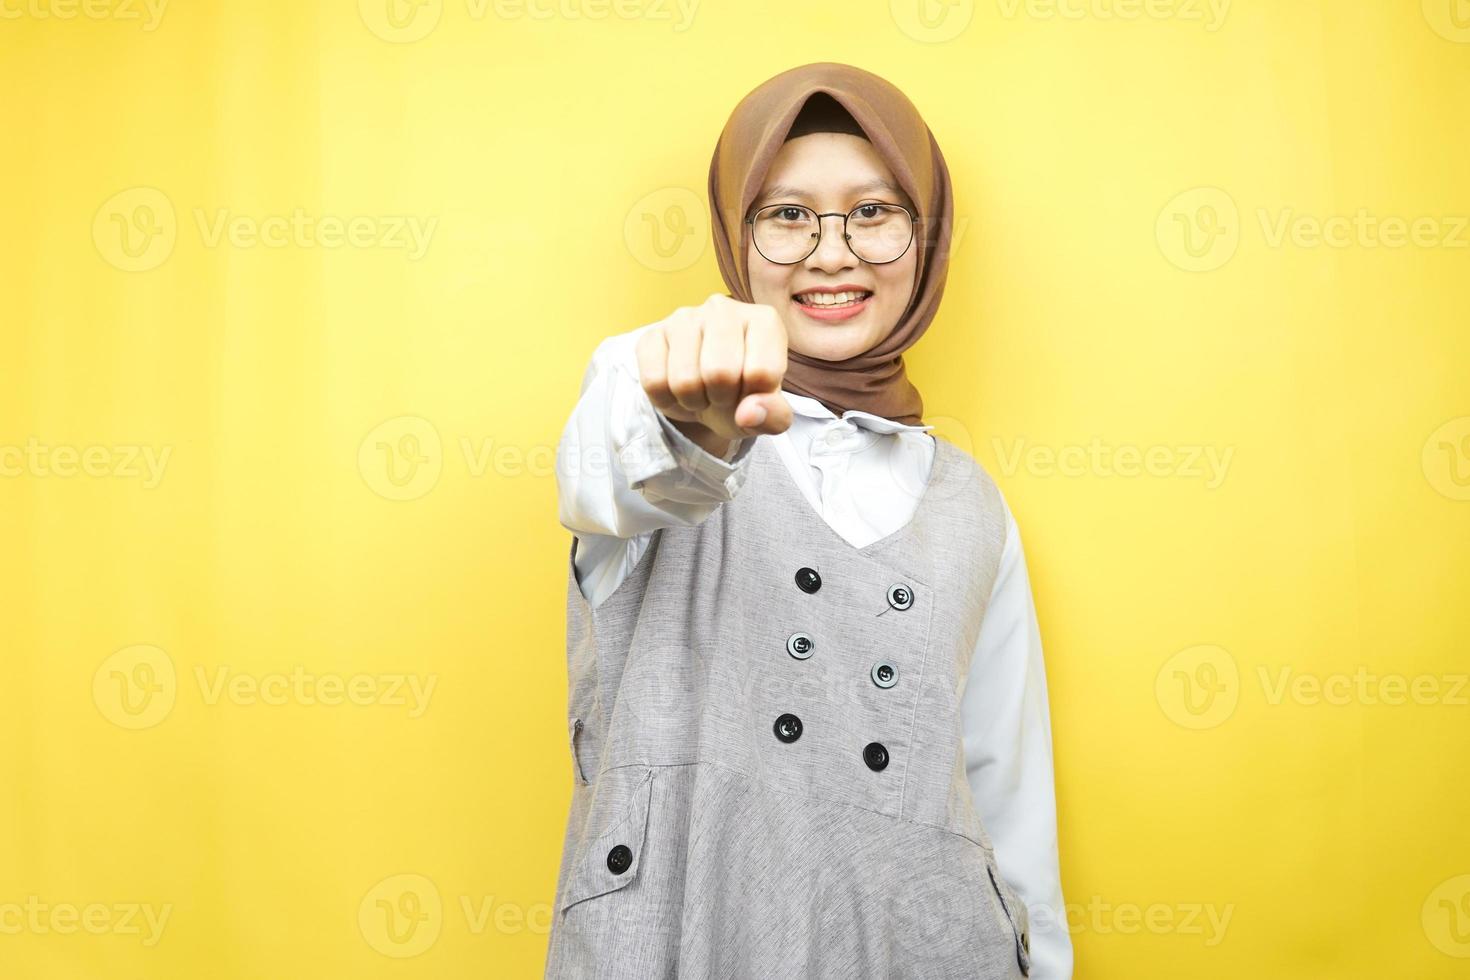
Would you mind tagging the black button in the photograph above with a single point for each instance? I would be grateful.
(807, 579)
(788, 727)
(900, 596)
(800, 645)
(619, 859)
(875, 755)
(884, 674)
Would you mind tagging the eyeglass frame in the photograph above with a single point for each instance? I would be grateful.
(846, 238)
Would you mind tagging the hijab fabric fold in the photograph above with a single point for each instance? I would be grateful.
(874, 381)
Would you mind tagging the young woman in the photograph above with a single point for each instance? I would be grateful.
(807, 703)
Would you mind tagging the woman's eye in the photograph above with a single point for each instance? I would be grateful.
(791, 214)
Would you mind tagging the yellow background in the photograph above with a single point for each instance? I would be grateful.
(359, 486)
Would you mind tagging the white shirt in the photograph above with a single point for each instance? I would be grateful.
(624, 470)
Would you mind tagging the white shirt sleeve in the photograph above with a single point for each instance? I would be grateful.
(624, 470)
(1008, 756)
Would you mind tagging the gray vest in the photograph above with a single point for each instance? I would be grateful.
(767, 758)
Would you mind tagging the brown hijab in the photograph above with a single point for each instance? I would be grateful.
(873, 381)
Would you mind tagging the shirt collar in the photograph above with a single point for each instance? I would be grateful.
(810, 407)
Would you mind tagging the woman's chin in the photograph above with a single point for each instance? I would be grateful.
(831, 341)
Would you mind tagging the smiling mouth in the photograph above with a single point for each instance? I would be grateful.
(832, 301)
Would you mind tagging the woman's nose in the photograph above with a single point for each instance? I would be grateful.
(832, 253)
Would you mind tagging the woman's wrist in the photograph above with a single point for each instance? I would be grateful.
(711, 442)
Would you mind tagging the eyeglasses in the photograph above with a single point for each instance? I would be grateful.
(876, 233)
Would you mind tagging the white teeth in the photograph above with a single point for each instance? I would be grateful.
(830, 299)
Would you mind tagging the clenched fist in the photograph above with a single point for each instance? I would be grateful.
(715, 371)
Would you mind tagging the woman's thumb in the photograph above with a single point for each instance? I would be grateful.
(767, 412)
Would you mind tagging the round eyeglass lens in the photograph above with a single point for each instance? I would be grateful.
(878, 233)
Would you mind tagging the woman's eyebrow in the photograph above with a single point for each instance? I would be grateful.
(787, 191)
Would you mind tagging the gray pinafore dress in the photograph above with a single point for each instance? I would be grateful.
(767, 757)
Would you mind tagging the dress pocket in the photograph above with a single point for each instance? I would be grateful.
(576, 727)
(1016, 913)
(611, 860)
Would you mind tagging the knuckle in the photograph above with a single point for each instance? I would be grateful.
(722, 375)
(718, 318)
(681, 386)
(677, 321)
(657, 389)
(761, 378)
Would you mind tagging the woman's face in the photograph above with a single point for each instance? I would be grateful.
(830, 172)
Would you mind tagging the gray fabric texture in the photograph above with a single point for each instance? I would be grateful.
(745, 856)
